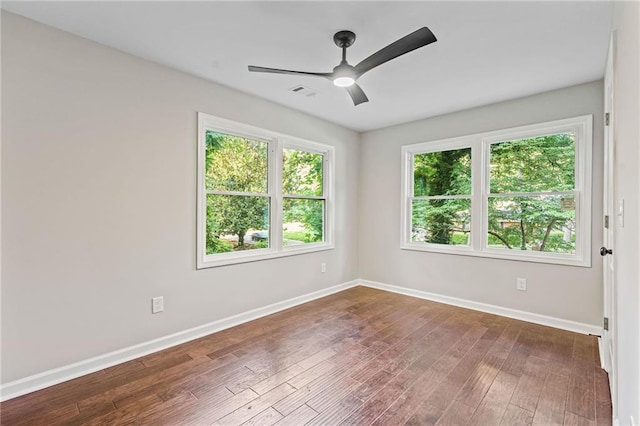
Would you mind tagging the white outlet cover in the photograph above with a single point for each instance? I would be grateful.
(157, 304)
(521, 284)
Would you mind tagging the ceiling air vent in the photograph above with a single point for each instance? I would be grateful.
(304, 91)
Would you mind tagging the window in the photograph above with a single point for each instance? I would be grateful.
(521, 193)
(260, 194)
(304, 199)
(441, 199)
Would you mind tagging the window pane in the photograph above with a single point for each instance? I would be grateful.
(545, 163)
(235, 164)
(303, 221)
(302, 172)
(441, 221)
(541, 223)
(236, 223)
(442, 173)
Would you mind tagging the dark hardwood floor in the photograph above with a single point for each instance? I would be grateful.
(358, 357)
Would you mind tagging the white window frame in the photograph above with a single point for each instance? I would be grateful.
(276, 143)
(480, 145)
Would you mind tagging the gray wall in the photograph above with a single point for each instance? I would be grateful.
(99, 199)
(571, 293)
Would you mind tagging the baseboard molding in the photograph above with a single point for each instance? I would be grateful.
(62, 374)
(492, 309)
(601, 353)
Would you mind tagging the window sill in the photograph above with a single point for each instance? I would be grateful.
(213, 261)
(555, 258)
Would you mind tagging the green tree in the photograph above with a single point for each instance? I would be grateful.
(439, 174)
(543, 222)
(540, 166)
(302, 174)
(239, 165)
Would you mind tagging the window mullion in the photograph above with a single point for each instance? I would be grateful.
(478, 201)
(275, 189)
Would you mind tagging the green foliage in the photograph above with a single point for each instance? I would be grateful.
(441, 220)
(241, 165)
(235, 164)
(302, 174)
(442, 173)
(261, 244)
(531, 223)
(216, 245)
(308, 212)
(541, 164)
(297, 236)
(536, 222)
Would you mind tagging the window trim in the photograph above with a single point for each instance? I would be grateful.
(276, 142)
(480, 144)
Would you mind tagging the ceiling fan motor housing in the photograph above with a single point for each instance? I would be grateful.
(344, 39)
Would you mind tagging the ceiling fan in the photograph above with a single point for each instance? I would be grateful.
(345, 75)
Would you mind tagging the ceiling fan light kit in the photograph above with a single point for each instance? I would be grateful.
(345, 75)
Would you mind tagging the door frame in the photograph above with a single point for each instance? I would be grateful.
(609, 338)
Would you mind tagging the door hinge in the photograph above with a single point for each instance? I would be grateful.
(606, 323)
(606, 221)
(606, 119)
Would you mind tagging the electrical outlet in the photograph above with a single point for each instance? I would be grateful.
(323, 267)
(521, 284)
(157, 304)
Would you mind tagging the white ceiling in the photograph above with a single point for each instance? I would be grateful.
(486, 51)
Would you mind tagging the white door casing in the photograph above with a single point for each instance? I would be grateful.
(609, 337)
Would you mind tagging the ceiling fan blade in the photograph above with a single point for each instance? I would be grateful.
(357, 94)
(253, 68)
(406, 44)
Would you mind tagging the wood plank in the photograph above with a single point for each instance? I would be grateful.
(456, 414)
(277, 379)
(530, 384)
(45, 418)
(551, 405)
(439, 344)
(495, 402)
(603, 397)
(480, 381)
(178, 409)
(336, 413)
(301, 416)
(129, 413)
(361, 356)
(581, 398)
(516, 416)
(571, 419)
(412, 403)
(266, 418)
(256, 405)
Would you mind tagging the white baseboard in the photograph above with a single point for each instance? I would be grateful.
(62, 374)
(492, 309)
(601, 354)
